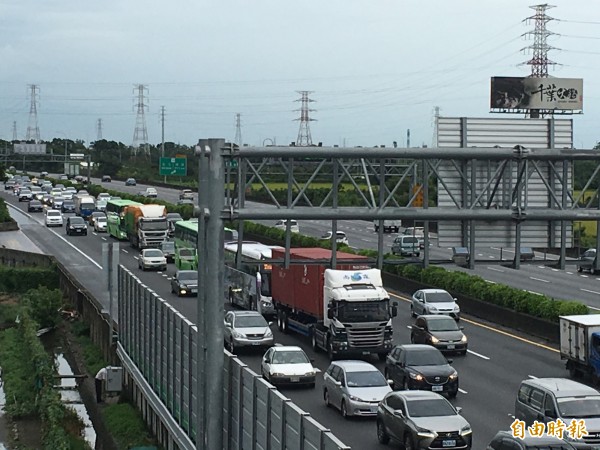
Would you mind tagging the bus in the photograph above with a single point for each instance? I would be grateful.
(186, 243)
(249, 286)
(114, 217)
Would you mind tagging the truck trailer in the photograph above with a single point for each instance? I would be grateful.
(580, 344)
(146, 225)
(344, 312)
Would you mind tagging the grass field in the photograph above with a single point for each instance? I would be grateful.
(588, 225)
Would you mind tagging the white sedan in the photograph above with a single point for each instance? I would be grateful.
(288, 365)
(152, 258)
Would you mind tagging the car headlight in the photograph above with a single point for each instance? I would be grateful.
(71, 227)
(355, 399)
(182, 291)
(432, 308)
(465, 430)
(463, 339)
(434, 340)
(237, 334)
(416, 376)
(453, 376)
(278, 374)
(422, 432)
(456, 308)
(310, 374)
(269, 333)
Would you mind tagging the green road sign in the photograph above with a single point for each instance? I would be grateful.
(173, 166)
(232, 163)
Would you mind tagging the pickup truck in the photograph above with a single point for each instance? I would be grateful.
(388, 225)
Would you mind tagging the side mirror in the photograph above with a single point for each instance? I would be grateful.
(271, 324)
(390, 382)
(458, 409)
(394, 311)
(398, 413)
(337, 383)
(455, 299)
(449, 361)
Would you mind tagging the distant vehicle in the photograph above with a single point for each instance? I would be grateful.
(461, 256)
(406, 246)
(587, 261)
(53, 218)
(341, 237)
(81, 192)
(95, 215)
(168, 249)
(580, 344)
(246, 329)
(60, 186)
(416, 366)
(106, 179)
(130, 182)
(442, 332)
(152, 258)
(527, 254)
(101, 205)
(100, 224)
(282, 225)
(103, 196)
(172, 218)
(418, 232)
(57, 202)
(186, 194)
(25, 195)
(354, 387)
(434, 301)
(12, 169)
(423, 420)
(79, 178)
(46, 199)
(64, 177)
(76, 225)
(85, 205)
(391, 226)
(43, 174)
(150, 192)
(10, 184)
(288, 365)
(68, 206)
(185, 282)
(186, 201)
(35, 206)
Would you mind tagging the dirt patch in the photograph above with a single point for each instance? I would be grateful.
(25, 433)
(8, 299)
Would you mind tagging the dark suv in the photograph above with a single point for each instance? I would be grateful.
(417, 366)
(76, 225)
(587, 261)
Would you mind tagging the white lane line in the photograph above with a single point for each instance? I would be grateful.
(169, 278)
(591, 292)
(478, 254)
(462, 391)
(541, 267)
(533, 377)
(135, 257)
(409, 327)
(489, 281)
(478, 354)
(494, 269)
(491, 257)
(158, 271)
(569, 273)
(593, 307)
(60, 237)
(539, 279)
(598, 279)
(535, 293)
(103, 238)
(512, 416)
(95, 234)
(584, 276)
(123, 250)
(165, 275)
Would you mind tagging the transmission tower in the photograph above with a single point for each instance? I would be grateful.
(99, 130)
(14, 130)
(304, 137)
(33, 131)
(539, 61)
(238, 130)
(140, 134)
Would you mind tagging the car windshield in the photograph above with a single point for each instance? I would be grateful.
(77, 221)
(438, 297)
(154, 225)
(186, 253)
(435, 407)
(101, 220)
(250, 321)
(427, 357)
(574, 407)
(445, 324)
(153, 254)
(168, 246)
(188, 275)
(290, 357)
(53, 212)
(410, 240)
(370, 378)
(376, 311)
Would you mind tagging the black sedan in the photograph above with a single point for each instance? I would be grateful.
(415, 366)
(35, 206)
(130, 182)
(440, 331)
(68, 206)
(185, 282)
(76, 225)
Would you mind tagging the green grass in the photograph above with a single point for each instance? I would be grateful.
(126, 425)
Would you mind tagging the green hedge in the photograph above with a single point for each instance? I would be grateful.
(22, 279)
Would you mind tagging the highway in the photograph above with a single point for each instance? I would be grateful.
(489, 374)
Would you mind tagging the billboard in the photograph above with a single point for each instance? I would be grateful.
(536, 93)
(30, 149)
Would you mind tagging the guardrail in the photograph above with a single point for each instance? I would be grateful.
(161, 343)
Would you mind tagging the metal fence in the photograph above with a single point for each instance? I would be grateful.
(161, 344)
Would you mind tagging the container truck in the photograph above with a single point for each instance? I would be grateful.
(146, 225)
(85, 205)
(345, 311)
(580, 344)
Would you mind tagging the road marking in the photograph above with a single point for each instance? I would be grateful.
(541, 267)
(583, 276)
(496, 330)
(569, 273)
(479, 254)
(555, 270)
(409, 327)
(495, 270)
(462, 391)
(539, 279)
(598, 279)
(489, 281)
(165, 275)
(535, 293)
(591, 292)
(491, 257)
(593, 307)
(532, 377)
(511, 415)
(135, 257)
(158, 271)
(123, 250)
(103, 238)
(478, 354)
(60, 237)
(95, 234)
(169, 278)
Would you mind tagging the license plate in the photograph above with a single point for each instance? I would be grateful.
(366, 353)
(294, 379)
(451, 346)
(194, 291)
(449, 443)
(256, 343)
(437, 388)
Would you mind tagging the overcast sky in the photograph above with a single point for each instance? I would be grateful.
(377, 68)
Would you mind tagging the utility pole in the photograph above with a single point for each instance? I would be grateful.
(99, 130)
(140, 134)
(14, 131)
(304, 137)
(238, 130)
(162, 146)
(33, 130)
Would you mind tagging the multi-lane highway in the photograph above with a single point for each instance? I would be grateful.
(489, 375)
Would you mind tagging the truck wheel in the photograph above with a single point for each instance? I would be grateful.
(230, 297)
(279, 314)
(284, 323)
(332, 356)
(313, 340)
